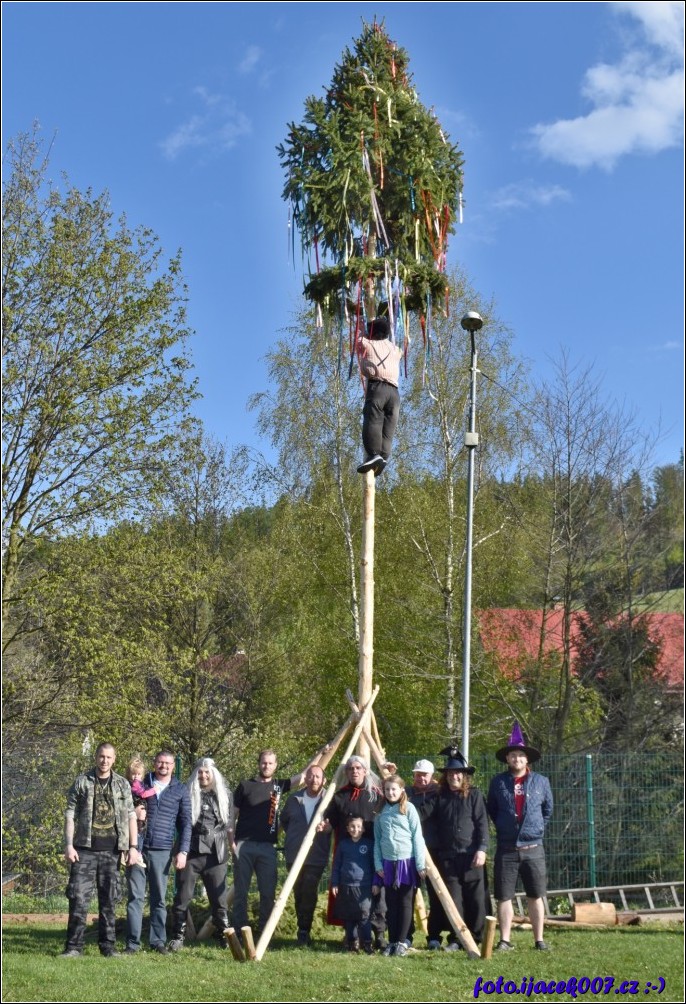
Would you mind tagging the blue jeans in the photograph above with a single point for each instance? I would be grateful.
(158, 864)
(136, 879)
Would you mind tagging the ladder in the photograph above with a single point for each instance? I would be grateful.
(652, 897)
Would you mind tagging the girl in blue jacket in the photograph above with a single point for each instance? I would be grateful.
(399, 859)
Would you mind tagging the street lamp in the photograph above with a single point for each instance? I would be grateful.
(471, 322)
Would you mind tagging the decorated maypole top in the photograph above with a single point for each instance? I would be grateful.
(375, 186)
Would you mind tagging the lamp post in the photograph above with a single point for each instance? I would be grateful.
(471, 322)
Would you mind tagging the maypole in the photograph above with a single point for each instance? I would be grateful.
(374, 187)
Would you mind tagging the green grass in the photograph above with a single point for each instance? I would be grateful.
(670, 602)
(32, 970)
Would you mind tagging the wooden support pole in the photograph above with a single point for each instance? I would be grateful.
(366, 655)
(375, 749)
(377, 737)
(464, 935)
(248, 942)
(420, 914)
(489, 937)
(234, 944)
(292, 876)
(325, 758)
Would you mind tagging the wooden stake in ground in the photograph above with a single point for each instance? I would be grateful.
(234, 944)
(248, 942)
(489, 937)
(292, 876)
(366, 656)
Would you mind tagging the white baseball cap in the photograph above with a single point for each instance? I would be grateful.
(423, 767)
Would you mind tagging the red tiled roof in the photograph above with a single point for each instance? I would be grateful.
(514, 636)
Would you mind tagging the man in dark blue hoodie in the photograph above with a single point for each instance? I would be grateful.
(169, 812)
(520, 803)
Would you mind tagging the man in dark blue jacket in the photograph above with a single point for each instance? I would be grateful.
(168, 812)
(520, 803)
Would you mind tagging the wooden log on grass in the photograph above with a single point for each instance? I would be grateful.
(292, 876)
(595, 913)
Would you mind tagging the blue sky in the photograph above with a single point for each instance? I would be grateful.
(569, 115)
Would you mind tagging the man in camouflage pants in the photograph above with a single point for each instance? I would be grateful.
(99, 825)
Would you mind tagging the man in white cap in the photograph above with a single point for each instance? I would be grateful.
(520, 803)
(421, 793)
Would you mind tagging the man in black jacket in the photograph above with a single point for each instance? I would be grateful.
(295, 820)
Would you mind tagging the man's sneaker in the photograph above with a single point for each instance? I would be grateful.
(370, 463)
(175, 945)
(71, 953)
(367, 948)
(130, 951)
(380, 943)
(390, 950)
(433, 945)
(160, 949)
(110, 953)
(380, 467)
(504, 946)
(303, 939)
(452, 946)
(400, 949)
(541, 946)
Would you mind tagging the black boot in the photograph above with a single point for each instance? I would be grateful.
(176, 943)
(220, 920)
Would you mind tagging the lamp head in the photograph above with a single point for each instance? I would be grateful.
(472, 321)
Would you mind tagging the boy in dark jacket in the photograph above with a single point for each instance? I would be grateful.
(351, 884)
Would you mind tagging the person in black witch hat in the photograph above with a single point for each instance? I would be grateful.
(380, 364)
(520, 803)
(458, 816)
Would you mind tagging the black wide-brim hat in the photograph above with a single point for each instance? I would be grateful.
(517, 744)
(455, 761)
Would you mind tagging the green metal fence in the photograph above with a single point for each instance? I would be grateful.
(618, 819)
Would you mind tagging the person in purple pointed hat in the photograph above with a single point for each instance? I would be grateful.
(520, 803)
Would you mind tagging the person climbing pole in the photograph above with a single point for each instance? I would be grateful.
(380, 364)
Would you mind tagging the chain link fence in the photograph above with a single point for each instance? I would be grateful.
(618, 819)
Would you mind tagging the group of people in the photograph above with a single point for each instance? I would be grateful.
(381, 831)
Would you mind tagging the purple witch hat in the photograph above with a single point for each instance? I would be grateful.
(518, 743)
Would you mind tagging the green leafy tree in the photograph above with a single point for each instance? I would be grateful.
(94, 364)
(372, 179)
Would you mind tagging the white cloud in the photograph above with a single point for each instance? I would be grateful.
(250, 60)
(524, 195)
(217, 127)
(638, 102)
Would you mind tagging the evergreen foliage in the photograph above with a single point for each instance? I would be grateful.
(372, 178)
